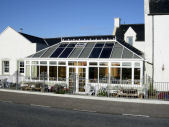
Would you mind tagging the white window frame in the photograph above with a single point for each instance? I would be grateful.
(128, 40)
(5, 67)
(21, 68)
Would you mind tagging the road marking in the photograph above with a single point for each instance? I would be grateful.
(81, 110)
(44, 106)
(6, 101)
(136, 115)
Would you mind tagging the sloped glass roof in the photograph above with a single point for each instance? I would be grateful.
(110, 49)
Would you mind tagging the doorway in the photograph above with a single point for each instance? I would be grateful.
(77, 79)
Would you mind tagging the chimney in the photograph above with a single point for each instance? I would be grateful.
(116, 25)
(146, 6)
(116, 22)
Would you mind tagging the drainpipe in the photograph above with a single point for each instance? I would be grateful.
(152, 49)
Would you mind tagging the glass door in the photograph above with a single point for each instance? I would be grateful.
(72, 79)
(81, 79)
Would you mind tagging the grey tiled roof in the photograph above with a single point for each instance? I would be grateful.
(159, 7)
(138, 28)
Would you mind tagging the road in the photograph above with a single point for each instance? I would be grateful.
(106, 107)
(24, 115)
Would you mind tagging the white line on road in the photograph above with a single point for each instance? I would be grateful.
(136, 115)
(44, 106)
(81, 110)
(5, 101)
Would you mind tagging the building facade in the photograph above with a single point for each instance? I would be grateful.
(133, 54)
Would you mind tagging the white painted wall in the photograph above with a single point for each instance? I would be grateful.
(161, 48)
(13, 46)
(140, 45)
(148, 40)
(130, 32)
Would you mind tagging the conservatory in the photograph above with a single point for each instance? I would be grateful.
(81, 61)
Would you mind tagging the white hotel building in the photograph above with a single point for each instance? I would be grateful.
(132, 54)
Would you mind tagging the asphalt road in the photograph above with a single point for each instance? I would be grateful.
(22, 115)
(104, 107)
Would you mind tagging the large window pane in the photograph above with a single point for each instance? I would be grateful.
(137, 76)
(43, 72)
(6, 66)
(28, 71)
(103, 74)
(93, 74)
(115, 75)
(21, 66)
(62, 73)
(53, 73)
(35, 72)
(126, 75)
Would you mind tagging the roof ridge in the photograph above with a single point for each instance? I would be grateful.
(30, 35)
(133, 24)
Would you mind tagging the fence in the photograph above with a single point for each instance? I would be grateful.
(76, 85)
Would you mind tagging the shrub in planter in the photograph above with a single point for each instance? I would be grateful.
(102, 92)
(59, 89)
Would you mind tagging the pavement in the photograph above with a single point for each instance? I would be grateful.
(87, 104)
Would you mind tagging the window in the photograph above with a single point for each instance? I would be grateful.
(53, 73)
(115, 64)
(130, 40)
(115, 75)
(28, 71)
(82, 63)
(43, 72)
(126, 75)
(93, 74)
(61, 73)
(35, 72)
(103, 74)
(6, 66)
(93, 63)
(21, 67)
(137, 76)
(72, 63)
(103, 64)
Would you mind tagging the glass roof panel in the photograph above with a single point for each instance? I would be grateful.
(76, 52)
(127, 53)
(106, 52)
(68, 50)
(109, 44)
(117, 51)
(95, 53)
(99, 45)
(38, 54)
(97, 50)
(66, 53)
(49, 51)
(135, 56)
(72, 45)
(57, 52)
(63, 45)
(86, 51)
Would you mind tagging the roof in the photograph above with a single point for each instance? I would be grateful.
(33, 39)
(102, 49)
(52, 41)
(159, 7)
(138, 28)
(94, 37)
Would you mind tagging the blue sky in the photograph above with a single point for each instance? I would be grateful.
(54, 18)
